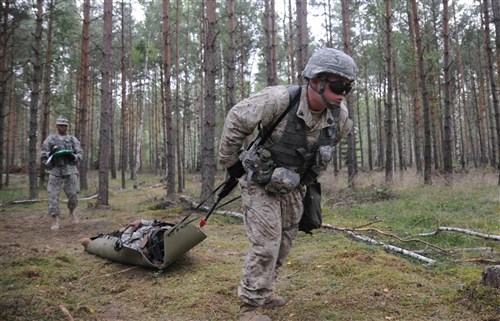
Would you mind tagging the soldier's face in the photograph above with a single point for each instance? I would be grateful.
(62, 129)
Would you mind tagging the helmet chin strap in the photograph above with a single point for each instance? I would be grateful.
(328, 103)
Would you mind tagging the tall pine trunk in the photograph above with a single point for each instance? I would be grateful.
(169, 139)
(105, 125)
(447, 139)
(35, 93)
(208, 166)
(83, 107)
(425, 97)
(389, 98)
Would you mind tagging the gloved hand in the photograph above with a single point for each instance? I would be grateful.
(53, 150)
(237, 170)
(71, 158)
(309, 177)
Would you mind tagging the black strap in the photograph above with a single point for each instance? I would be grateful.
(294, 97)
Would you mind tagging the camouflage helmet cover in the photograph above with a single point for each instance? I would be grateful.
(331, 61)
(62, 121)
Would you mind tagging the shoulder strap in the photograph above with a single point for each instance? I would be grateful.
(294, 96)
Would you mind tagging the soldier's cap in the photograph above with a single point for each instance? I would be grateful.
(62, 121)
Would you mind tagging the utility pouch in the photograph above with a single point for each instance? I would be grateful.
(311, 217)
(283, 180)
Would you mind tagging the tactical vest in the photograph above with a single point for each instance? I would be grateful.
(291, 150)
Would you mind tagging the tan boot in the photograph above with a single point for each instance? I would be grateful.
(274, 301)
(74, 219)
(55, 223)
(252, 313)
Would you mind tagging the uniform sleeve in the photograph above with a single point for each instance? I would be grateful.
(77, 149)
(46, 146)
(244, 117)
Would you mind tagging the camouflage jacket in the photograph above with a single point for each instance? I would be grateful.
(66, 164)
(263, 108)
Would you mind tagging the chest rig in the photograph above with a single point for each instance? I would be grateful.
(292, 150)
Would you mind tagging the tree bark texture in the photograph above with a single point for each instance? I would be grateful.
(106, 99)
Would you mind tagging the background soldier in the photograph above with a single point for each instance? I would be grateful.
(60, 154)
(300, 147)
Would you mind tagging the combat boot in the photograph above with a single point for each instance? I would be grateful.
(274, 301)
(252, 313)
(55, 223)
(74, 219)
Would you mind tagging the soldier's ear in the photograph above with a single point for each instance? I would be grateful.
(314, 83)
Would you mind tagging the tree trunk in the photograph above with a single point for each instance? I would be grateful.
(231, 57)
(302, 36)
(389, 98)
(124, 120)
(11, 131)
(417, 115)
(179, 146)
(399, 121)
(291, 49)
(3, 81)
(447, 141)
(106, 99)
(208, 128)
(268, 45)
(495, 144)
(81, 131)
(35, 92)
(368, 122)
(425, 97)
(45, 114)
(167, 102)
(496, 20)
(351, 138)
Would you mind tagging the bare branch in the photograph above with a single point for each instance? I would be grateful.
(464, 231)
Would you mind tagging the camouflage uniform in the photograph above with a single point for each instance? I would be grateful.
(271, 219)
(62, 170)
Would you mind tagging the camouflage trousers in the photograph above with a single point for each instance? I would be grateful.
(70, 185)
(271, 224)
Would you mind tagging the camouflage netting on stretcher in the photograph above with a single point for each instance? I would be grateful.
(152, 244)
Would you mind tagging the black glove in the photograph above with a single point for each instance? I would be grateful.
(53, 150)
(309, 177)
(72, 159)
(236, 170)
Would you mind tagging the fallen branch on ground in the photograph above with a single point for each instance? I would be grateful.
(66, 312)
(388, 247)
(342, 229)
(461, 250)
(46, 200)
(464, 231)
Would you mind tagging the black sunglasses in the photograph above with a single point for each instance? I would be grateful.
(340, 87)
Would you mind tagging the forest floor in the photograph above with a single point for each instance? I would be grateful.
(47, 275)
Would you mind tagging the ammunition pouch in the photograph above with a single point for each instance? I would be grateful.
(283, 180)
(259, 168)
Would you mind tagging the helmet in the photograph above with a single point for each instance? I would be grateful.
(330, 61)
(62, 121)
